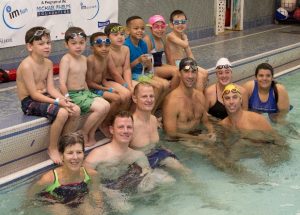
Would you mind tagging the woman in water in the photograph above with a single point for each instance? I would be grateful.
(265, 95)
(70, 187)
(213, 94)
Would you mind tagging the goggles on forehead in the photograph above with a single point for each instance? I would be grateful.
(179, 21)
(39, 33)
(230, 88)
(74, 35)
(187, 68)
(117, 29)
(223, 66)
(156, 26)
(99, 41)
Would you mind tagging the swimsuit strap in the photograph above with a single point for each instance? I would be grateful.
(87, 178)
(153, 44)
(55, 184)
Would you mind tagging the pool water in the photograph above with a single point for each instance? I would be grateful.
(214, 192)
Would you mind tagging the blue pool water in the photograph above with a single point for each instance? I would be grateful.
(212, 191)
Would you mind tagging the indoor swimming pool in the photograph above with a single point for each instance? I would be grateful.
(270, 183)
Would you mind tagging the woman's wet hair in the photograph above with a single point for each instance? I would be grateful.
(267, 66)
(70, 140)
(264, 66)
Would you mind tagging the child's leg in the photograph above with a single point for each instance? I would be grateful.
(99, 110)
(124, 93)
(55, 132)
(115, 106)
(169, 72)
(165, 89)
(72, 122)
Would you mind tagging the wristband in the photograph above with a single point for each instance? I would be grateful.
(56, 101)
(67, 95)
(111, 90)
(125, 85)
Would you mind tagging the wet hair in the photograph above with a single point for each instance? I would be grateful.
(94, 35)
(30, 34)
(267, 66)
(187, 62)
(121, 114)
(110, 26)
(138, 86)
(73, 30)
(70, 140)
(129, 19)
(176, 12)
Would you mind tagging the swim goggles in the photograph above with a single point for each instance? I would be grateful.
(223, 66)
(188, 67)
(159, 26)
(101, 42)
(74, 35)
(117, 29)
(230, 88)
(39, 33)
(179, 22)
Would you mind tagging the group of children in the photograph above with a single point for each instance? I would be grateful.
(102, 83)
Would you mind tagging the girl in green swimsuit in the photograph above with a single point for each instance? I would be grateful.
(70, 186)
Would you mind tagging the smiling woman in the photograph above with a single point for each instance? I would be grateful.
(265, 95)
(68, 186)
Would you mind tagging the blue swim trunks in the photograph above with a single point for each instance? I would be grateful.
(98, 92)
(35, 108)
(157, 155)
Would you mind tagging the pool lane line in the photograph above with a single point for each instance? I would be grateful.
(244, 36)
(278, 74)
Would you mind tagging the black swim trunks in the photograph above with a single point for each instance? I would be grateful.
(35, 108)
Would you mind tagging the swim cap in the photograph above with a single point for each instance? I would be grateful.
(156, 18)
(231, 88)
(223, 62)
(187, 63)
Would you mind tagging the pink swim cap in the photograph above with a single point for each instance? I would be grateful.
(156, 18)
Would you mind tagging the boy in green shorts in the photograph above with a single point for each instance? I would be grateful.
(72, 79)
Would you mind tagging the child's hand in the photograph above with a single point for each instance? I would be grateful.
(143, 59)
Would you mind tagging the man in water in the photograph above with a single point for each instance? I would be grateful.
(145, 136)
(183, 109)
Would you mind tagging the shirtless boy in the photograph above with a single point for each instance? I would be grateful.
(36, 89)
(178, 47)
(145, 136)
(96, 76)
(72, 79)
(119, 75)
(183, 109)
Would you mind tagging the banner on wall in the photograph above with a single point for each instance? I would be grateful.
(18, 16)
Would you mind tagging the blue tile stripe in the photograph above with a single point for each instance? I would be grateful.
(24, 131)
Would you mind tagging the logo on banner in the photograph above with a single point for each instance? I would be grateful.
(53, 7)
(15, 15)
(89, 8)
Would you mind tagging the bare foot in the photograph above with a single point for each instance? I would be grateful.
(54, 155)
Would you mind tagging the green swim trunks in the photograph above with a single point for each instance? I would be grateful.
(83, 98)
(145, 78)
